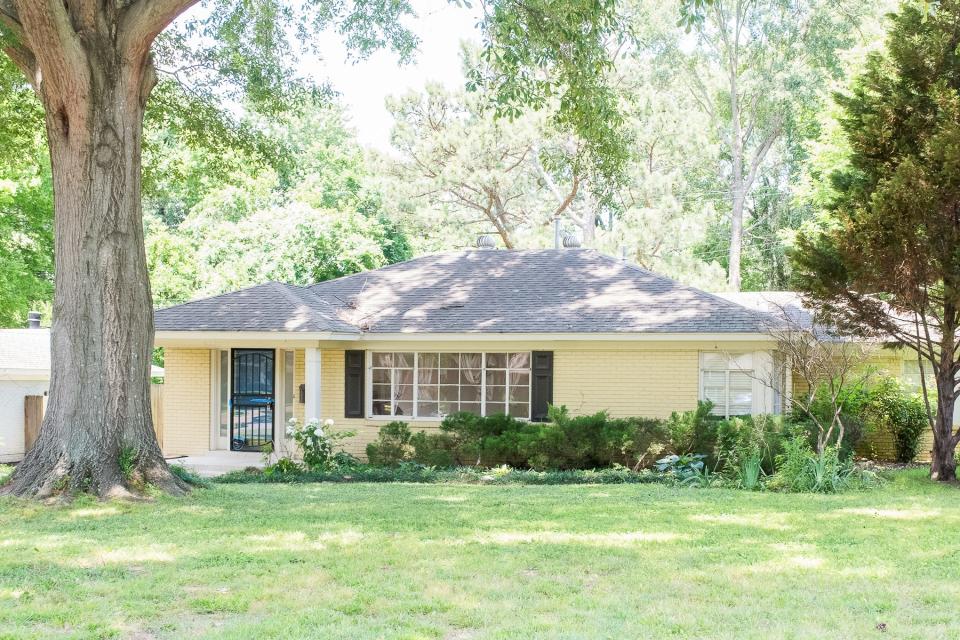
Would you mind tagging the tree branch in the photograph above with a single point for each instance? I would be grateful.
(59, 60)
(10, 19)
(760, 154)
(143, 20)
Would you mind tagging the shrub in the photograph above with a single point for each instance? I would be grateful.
(852, 400)
(282, 466)
(316, 443)
(593, 441)
(392, 446)
(492, 440)
(888, 408)
(434, 449)
(695, 430)
(565, 442)
(749, 441)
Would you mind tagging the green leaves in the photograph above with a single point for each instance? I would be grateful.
(541, 53)
(26, 202)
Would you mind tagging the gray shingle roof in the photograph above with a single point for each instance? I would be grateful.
(273, 306)
(477, 291)
(25, 349)
(548, 291)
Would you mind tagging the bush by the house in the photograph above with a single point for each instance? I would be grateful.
(317, 444)
(434, 449)
(564, 442)
(689, 448)
(392, 445)
(747, 447)
(889, 408)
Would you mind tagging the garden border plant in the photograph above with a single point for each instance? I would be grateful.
(692, 448)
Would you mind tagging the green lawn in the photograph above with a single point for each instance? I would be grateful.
(459, 562)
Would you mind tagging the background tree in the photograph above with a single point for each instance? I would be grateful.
(26, 205)
(94, 66)
(469, 167)
(309, 216)
(885, 261)
(759, 69)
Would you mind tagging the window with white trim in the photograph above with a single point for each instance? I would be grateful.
(435, 384)
(912, 381)
(727, 382)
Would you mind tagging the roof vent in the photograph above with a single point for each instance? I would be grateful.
(33, 319)
(571, 241)
(486, 241)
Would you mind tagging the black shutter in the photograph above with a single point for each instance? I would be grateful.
(353, 385)
(542, 393)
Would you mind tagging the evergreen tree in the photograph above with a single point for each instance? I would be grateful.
(886, 260)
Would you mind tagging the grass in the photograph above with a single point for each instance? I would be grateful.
(461, 562)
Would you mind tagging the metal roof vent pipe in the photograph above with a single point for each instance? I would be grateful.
(33, 320)
(486, 241)
(571, 241)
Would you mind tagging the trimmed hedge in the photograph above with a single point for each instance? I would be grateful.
(563, 443)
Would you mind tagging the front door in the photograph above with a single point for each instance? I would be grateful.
(252, 398)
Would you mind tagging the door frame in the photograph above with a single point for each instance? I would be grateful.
(273, 395)
(218, 442)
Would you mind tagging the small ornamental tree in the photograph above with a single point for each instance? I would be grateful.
(828, 367)
(94, 65)
(886, 260)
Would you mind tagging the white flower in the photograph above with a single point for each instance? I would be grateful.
(328, 422)
(291, 429)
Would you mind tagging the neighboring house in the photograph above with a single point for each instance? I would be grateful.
(24, 371)
(489, 331)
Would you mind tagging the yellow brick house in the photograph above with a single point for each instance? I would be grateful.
(488, 331)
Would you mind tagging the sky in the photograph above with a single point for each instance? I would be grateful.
(364, 86)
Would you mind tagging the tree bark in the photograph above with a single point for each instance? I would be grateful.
(943, 464)
(737, 186)
(93, 91)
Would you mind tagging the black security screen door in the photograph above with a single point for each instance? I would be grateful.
(252, 395)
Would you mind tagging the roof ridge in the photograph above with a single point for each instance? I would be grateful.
(386, 267)
(435, 254)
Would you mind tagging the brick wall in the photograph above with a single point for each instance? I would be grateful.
(186, 401)
(624, 380)
(627, 383)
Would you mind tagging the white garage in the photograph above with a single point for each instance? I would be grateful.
(24, 371)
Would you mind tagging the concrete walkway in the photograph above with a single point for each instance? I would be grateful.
(217, 463)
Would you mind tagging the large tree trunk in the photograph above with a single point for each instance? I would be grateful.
(102, 335)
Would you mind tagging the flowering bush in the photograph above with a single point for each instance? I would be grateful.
(317, 443)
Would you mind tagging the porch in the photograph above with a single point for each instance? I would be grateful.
(216, 463)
